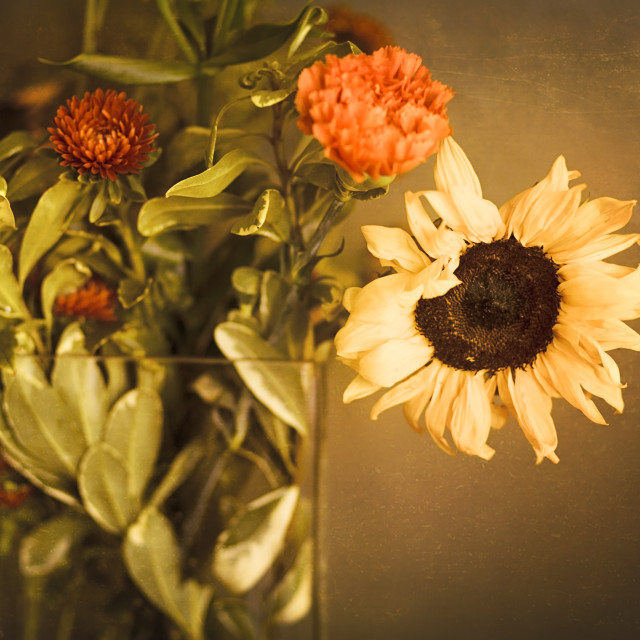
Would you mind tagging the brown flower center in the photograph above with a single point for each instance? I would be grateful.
(501, 315)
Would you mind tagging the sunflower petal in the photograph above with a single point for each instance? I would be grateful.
(359, 388)
(453, 169)
(471, 417)
(532, 407)
(394, 247)
(395, 360)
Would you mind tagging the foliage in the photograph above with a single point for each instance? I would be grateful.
(182, 483)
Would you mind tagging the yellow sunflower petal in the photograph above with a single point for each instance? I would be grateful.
(395, 360)
(596, 297)
(394, 248)
(471, 417)
(415, 390)
(453, 169)
(463, 211)
(359, 388)
(532, 407)
(440, 241)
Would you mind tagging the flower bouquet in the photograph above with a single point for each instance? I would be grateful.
(171, 280)
(166, 302)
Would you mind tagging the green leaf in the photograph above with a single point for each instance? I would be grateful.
(284, 387)
(268, 218)
(47, 547)
(134, 430)
(236, 618)
(99, 204)
(256, 42)
(291, 598)
(42, 422)
(7, 219)
(15, 143)
(8, 344)
(36, 175)
(152, 556)
(181, 467)
(160, 215)
(104, 482)
(313, 17)
(215, 179)
(247, 549)
(264, 98)
(78, 379)
(129, 70)
(38, 472)
(131, 291)
(52, 215)
(11, 302)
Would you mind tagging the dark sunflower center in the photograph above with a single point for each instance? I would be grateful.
(503, 313)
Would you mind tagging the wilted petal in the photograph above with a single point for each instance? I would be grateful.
(394, 360)
(394, 248)
(532, 408)
(453, 169)
(471, 417)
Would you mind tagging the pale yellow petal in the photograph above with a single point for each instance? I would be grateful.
(395, 360)
(597, 297)
(453, 169)
(598, 249)
(593, 220)
(359, 388)
(415, 390)
(515, 210)
(394, 247)
(471, 417)
(463, 211)
(437, 242)
(563, 368)
(438, 413)
(532, 407)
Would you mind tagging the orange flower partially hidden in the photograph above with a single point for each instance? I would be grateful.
(376, 115)
(94, 300)
(367, 33)
(103, 133)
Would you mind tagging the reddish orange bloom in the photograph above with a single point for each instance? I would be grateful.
(378, 114)
(367, 33)
(12, 495)
(94, 300)
(104, 133)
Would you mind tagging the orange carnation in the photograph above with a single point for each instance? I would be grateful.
(378, 114)
(104, 133)
(94, 300)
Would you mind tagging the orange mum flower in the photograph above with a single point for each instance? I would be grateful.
(104, 133)
(367, 33)
(378, 114)
(94, 300)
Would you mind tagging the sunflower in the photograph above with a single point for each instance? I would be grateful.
(495, 310)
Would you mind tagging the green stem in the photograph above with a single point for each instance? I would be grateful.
(94, 16)
(165, 9)
(319, 235)
(132, 245)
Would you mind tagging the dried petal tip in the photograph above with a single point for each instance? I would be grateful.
(94, 301)
(376, 115)
(103, 133)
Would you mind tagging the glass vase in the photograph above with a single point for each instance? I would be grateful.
(164, 499)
